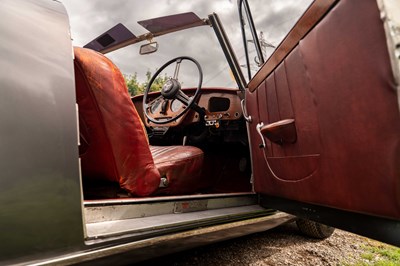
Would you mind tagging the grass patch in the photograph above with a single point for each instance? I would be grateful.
(367, 256)
(378, 254)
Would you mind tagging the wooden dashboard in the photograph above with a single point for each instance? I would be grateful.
(219, 104)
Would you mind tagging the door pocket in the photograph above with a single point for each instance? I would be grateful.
(293, 168)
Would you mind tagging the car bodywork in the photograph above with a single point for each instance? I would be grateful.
(322, 119)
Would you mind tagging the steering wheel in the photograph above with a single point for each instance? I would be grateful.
(171, 90)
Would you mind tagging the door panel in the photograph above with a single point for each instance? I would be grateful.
(337, 85)
(285, 94)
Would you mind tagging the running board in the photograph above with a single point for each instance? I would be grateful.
(171, 222)
(112, 220)
(134, 251)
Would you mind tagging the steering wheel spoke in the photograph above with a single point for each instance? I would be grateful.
(177, 67)
(182, 97)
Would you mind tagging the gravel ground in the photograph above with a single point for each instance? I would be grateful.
(281, 246)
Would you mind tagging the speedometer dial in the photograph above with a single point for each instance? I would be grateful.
(176, 105)
(155, 107)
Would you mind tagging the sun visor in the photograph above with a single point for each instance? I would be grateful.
(119, 36)
(162, 25)
(113, 37)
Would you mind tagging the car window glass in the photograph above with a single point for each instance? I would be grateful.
(199, 43)
(273, 19)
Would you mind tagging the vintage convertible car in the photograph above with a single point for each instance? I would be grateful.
(90, 174)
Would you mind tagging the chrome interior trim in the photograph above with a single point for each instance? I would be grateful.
(92, 203)
(244, 110)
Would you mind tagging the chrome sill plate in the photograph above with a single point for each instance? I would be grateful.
(94, 203)
(125, 227)
(112, 210)
(115, 220)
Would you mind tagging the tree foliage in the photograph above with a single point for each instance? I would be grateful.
(135, 87)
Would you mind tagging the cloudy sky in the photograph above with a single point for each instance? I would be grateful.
(89, 19)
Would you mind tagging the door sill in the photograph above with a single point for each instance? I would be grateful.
(138, 219)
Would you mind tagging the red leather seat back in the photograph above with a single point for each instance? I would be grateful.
(114, 146)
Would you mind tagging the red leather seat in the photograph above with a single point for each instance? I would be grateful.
(114, 145)
(182, 167)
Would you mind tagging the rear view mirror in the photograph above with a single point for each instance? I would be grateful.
(148, 48)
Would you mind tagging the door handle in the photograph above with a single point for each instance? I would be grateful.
(258, 128)
(280, 132)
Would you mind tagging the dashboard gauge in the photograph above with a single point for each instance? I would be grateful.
(176, 105)
(155, 107)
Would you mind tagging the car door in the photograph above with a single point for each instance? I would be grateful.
(325, 123)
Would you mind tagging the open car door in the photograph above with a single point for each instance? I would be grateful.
(325, 123)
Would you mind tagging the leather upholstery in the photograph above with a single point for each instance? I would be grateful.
(181, 166)
(114, 145)
(338, 86)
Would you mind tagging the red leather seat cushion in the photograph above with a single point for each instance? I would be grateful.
(181, 165)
